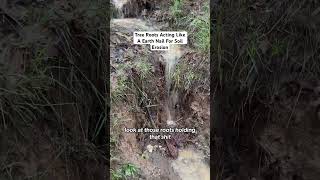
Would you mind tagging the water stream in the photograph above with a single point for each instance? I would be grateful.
(171, 57)
(118, 5)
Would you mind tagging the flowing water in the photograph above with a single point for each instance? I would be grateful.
(171, 57)
(118, 5)
(189, 165)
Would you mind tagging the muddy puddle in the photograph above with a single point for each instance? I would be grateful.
(190, 165)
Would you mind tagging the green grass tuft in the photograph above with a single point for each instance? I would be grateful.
(197, 24)
(127, 171)
(176, 8)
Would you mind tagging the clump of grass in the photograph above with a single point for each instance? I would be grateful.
(21, 93)
(118, 93)
(200, 30)
(187, 76)
(176, 9)
(197, 24)
(127, 171)
(144, 68)
(124, 84)
(46, 92)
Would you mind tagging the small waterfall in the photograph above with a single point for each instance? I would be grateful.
(171, 57)
(118, 5)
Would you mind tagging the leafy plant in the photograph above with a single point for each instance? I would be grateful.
(125, 172)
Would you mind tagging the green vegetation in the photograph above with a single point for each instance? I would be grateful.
(176, 9)
(52, 81)
(196, 23)
(200, 29)
(118, 93)
(124, 85)
(144, 68)
(200, 26)
(127, 171)
(184, 77)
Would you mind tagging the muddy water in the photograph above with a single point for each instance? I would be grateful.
(189, 165)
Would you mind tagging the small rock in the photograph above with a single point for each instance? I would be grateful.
(150, 148)
(171, 123)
